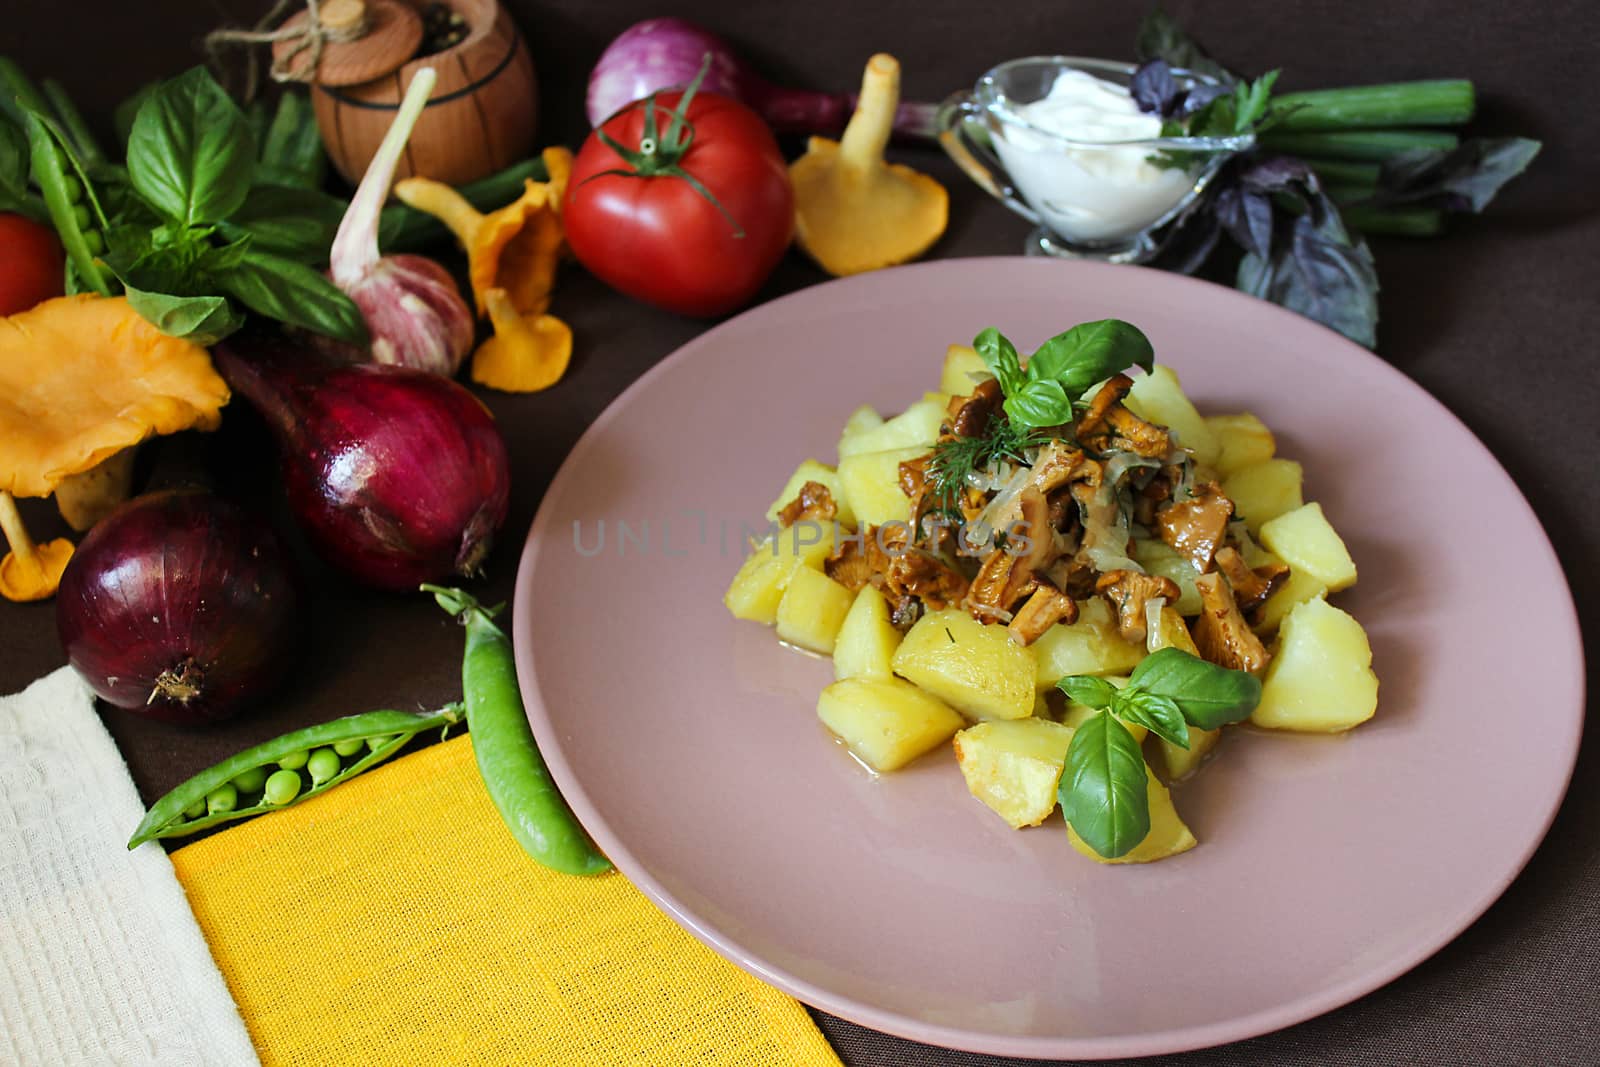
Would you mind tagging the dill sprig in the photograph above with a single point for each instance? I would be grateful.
(956, 458)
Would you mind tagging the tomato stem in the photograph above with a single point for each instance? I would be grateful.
(659, 154)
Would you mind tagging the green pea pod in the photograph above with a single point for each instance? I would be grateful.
(167, 818)
(51, 168)
(513, 771)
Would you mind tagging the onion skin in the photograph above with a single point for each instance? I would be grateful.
(666, 53)
(397, 476)
(179, 607)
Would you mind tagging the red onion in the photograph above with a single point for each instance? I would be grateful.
(178, 606)
(666, 53)
(398, 476)
(413, 310)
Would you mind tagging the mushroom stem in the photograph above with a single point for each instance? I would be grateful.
(527, 353)
(29, 572)
(867, 134)
(443, 203)
(23, 550)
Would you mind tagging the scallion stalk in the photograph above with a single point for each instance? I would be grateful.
(1448, 102)
(1345, 172)
(1368, 145)
(1400, 222)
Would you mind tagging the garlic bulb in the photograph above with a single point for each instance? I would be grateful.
(413, 309)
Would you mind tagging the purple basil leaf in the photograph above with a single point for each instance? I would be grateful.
(1465, 178)
(1247, 216)
(1155, 90)
(1320, 272)
(1277, 174)
(1160, 37)
(1199, 96)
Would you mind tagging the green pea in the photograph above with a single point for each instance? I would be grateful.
(96, 243)
(375, 743)
(183, 810)
(323, 764)
(281, 787)
(222, 798)
(72, 189)
(81, 216)
(250, 781)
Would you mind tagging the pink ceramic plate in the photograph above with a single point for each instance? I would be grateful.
(688, 742)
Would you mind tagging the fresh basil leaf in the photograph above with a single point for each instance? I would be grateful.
(1037, 404)
(1156, 713)
(294, 293)
(1155, 89)
(1000, 356)
(1247, 216)
(1091, 352)
(205, 320)
(1209, 696)
(1160, 37)
(1323, 273)
(1465, 178)
(297, 223)
(190, 152)
(1315, 266)
(1104, 792)
(292, 147)
(1088, 690)
(166, 259)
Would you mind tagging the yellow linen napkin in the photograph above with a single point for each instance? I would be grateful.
(394, 920)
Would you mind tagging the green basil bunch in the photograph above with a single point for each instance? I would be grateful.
(1062, 368)
(203, 232)
(1103, 785)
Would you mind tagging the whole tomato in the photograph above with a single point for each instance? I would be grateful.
(690, 217)
(31, 263)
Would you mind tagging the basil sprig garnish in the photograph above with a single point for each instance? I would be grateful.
(1102, 791)
(1062, 368)
(1209, 696)
(1103, 784)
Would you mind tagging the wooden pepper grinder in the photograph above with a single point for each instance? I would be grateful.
(481, 118)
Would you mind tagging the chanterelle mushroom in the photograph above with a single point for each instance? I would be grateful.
(511, 263)
(1046, 607)
(853, 211)
(82, 378)
(1220, 631)
(1127, 592)
(1196, 527)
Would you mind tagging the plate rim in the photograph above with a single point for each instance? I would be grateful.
(1180, 1039)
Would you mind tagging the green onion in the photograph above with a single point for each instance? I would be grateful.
(1402, 222)
(1421, 103)
(1344, 172)
(1370, 145)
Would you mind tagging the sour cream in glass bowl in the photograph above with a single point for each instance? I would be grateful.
(1061, 141)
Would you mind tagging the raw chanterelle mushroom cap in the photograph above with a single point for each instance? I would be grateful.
(853, 211)
(82, 378)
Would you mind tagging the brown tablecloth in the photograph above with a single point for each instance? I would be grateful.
(1499, 320)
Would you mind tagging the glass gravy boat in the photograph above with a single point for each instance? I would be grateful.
(1091, 197)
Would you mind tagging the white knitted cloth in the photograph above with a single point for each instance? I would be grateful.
(101, 961)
